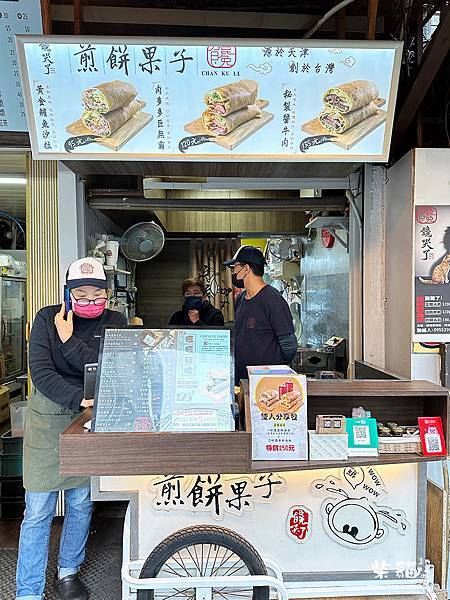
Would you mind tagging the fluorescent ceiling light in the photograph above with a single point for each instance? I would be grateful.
(10, 180)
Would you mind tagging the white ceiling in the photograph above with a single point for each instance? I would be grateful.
(12, 197)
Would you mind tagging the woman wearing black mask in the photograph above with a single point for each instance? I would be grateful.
(196, 310)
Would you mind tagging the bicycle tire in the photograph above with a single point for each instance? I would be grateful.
(204, 534)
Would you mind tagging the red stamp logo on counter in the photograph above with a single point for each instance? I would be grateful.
(426, 215)
(221, 57)
(299, 523)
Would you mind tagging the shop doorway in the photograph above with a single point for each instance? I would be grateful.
(303, 233)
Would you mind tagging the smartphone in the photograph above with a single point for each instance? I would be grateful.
(67, 300)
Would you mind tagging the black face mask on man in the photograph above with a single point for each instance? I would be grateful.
(239, 283)
(193, 303)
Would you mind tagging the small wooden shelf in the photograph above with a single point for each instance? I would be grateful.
(84, 453)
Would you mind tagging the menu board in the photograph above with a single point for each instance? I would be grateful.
(16, 17)
(432, 273)
(169, 99)
(164, 380)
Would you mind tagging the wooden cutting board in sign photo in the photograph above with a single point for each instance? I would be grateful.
(353, 135)
(120, 137)
(238, 135)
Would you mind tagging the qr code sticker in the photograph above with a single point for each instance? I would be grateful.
(361, 435)
(433, 443)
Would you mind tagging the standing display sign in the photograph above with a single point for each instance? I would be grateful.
(166, 99)
(164, 380)
(16, 17)
(432, 273)
(278, 409)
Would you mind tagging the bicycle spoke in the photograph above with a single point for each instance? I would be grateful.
(232, 567)
(182, 565)
(207, 560)
(166, 568)
(177, 594)
(193, 560)
(231, 594)
(217, 554)
(223, 562)
(198, 562)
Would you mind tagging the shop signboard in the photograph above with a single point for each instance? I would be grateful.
(175, 99)
(432, 273)
(164, 380)
(16, 17)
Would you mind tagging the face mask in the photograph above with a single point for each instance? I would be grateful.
(193, 303)
(91, 311)
(239, 283)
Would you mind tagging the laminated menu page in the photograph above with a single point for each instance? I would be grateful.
(278, 408)
(164, 380)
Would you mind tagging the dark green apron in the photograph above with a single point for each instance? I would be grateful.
(45, 420)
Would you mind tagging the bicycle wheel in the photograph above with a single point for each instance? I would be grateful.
(203, 551)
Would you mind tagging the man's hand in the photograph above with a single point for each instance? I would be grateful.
(194, 316)
(64, 326)
(87, 403)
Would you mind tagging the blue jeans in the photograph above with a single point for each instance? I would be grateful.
(35, 538)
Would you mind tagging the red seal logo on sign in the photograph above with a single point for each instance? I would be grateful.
(299, 523)
(142, 424)
(86, 269)
(426, 215)
(221, 57)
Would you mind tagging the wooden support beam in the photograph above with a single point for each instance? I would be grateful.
(77, 16)
(432, 61)
(46, 17)
(372, 19)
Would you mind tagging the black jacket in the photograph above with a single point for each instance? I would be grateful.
(208, 316)
(57, 369)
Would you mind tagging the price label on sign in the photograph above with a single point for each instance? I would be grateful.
(18, 17)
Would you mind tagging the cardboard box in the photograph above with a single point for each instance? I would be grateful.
(328, 447)
(278, 407)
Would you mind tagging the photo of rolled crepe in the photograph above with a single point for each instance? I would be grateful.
(348, 97)
(223, 124)
(335, 122)
(105, 125)
(105, 97)
(233, 96)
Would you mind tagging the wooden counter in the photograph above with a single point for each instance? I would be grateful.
(85, 453)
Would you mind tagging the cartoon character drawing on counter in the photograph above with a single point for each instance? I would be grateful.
(351, 513)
